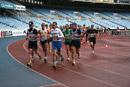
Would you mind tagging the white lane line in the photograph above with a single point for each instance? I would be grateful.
(84, 74)
(108, 52)
(50, 85)
(30, 68)
(111, 58)
(103, 69)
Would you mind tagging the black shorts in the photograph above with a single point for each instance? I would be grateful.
(49, 40)
(32, 45)
(68, 43)
(83, 34)
(92, 40)
(76, 43)
(86, 35)
(43, 42)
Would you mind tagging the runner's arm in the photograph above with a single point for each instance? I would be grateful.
(27, 36)
(88, 32)
(39, 32)
(79, 34)
(60, 34)
(36, 34)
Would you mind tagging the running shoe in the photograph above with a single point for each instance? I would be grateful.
(79, 55)
(29, 64)
(57, 61)
(92, 51)
(62, 58)
(50, 51)
(68, 59)
(73, 63)
(40, 57)
(32, 57)
(81, 42)
(54, 66)
(45, 59)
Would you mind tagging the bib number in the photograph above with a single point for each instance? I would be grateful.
(43, 37)
(67, 36)
(74, 37)
(53, 37)
(92, 35)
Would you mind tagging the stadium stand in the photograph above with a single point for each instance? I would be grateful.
(6, 1)
(13, 23)
(39, 15)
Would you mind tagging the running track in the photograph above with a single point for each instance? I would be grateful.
(106, 68)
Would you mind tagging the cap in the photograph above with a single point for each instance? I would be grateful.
(30, 22)
(74, 23)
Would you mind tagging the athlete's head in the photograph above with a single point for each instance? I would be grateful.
(46, 26)
(92, 27)
(31, 25)
(54, 25)
(71, 26)
(43, 26)
(74, 25)
(80, 27)
(66, 26)
(61, 27)
(50, 26)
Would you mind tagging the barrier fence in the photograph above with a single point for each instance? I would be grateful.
(10, 33)
(121, 32)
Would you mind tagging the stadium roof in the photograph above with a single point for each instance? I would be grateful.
(107, 1)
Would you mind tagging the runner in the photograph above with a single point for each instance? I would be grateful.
(82, 32)
(68, 40)
(75, 46)
(85, 29)
(43, 39)
(88, 28)
(46, 26)
(50, 40)
(56, 36)
(92, 37)
(32, 36)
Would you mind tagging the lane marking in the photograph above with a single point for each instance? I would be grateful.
(50, 85)
(30, 68)
(117, 73)
(111, 58)
(81, 73)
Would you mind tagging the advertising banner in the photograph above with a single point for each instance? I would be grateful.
(19, 7)
(1, 33)
(109, 1)
(7, 33)
(14, 7)
(8, 6)
(18, 32)
(10, 33)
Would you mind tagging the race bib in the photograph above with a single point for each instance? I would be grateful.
(53, 37)
(92, 35)
(30, 38)
(74, 37)
(44, 37)
(67, 36)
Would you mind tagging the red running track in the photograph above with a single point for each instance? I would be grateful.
(106, 68)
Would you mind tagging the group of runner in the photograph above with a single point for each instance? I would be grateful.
(53, 37)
